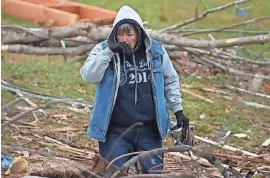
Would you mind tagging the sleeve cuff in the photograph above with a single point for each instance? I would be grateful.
(176, 107)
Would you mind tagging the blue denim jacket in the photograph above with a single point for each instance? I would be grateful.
(105, 93)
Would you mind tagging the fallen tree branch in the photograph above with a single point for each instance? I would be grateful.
(222, 55)
(197, 95)
(223, 31)
(227, 147)
(248, 103)
(225, 28)
(203, 15)
(10, 104)
(242, 158)
(100, 33)
(159, 151)
(24, 49)
(248, 91)
(175, 40)
(13, 88)
(233, 71)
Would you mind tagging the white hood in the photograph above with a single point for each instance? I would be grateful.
(126, 12)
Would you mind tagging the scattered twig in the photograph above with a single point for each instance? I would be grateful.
(67, 129)
(31, 103)
(197, 95)
(51, 140)
(70, 149)
(204, 89)
(20, 116)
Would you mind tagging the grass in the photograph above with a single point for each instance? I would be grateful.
(53, 75)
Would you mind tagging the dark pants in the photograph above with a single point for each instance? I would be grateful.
(140, 138)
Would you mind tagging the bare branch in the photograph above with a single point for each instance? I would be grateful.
(243, 158)
(24, 49)
(232, 70)
(100, 33)
(218, 54)
(13, 88)
(8, 105)
(175, 40)
(225, 28)
(248, 91)
(227, 147)
(181, 148)
(248, 103)
(203, 15)
(223, 31)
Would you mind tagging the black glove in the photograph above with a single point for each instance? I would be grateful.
(182, 121)
(121, 47)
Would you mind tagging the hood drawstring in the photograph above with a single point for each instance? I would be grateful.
(124, 65)
(136, 79)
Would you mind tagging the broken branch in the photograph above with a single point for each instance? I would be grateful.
(201, 16)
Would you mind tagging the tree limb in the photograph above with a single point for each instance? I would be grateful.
(159, 151)
(6, 106)
(201, 16)
(223, 31)
(100, 33)
(175, 40)
(232, 70)
(25, 49)
(248, 91)
(13, 88)
(224, 28)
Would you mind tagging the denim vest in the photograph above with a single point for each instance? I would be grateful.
(105, 93)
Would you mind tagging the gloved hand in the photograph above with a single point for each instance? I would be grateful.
(121, 47)
(182, 121)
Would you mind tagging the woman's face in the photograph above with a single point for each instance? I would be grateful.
(130, 37)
